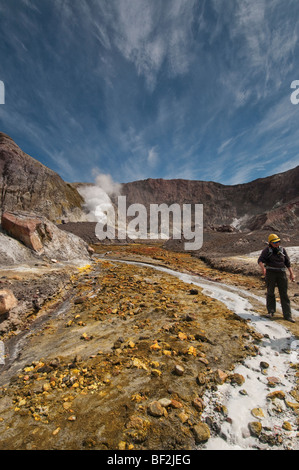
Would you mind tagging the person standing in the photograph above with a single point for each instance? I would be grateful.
(274, 261)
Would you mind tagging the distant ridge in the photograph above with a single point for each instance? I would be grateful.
(265, 203)
(270, 203)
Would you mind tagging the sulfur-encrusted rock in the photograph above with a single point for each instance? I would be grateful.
(277, 394)
(257, 413)
(201, 432)
(255, 428)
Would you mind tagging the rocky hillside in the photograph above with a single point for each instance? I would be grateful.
(266, 203)
(270, 203)
(27, 185)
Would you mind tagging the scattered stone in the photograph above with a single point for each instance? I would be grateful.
(201, 432)
(190, 317)
(46, 387)
(156, 372)
(293, 406)
(183, 417)
(86, 337)
(220, 376)
(139, 364)
(295, 394)
(135, 422)
(201, 379)
(257, 413)
(155, 346)
(7, 301)
(72, 418)
(277, 394)
(198, 404)
(276, 406)
(255, 428)
(67, 405)
(193, 291)
(165, 402)
(203, 360)
(167, 352)
(237, 379)
(287, 426)
(264, 365)
(179, 370)
(156, 409)
(224, 410)
(273, 381)
(122, 445)
(176, 404)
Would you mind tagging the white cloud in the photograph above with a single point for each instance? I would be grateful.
(150, 34)
(152, 157)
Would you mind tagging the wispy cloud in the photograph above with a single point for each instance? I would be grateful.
(151, 35)
(152, 157)
(142, 88)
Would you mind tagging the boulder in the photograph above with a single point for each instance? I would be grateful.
(7, 301)
(255, 428)
(42, 237)
(26, 228)
(201, 432)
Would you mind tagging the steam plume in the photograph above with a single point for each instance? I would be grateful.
(96, 197)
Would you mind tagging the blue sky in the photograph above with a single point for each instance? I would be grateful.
(195, 89)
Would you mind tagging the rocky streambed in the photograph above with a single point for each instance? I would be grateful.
(129, 357)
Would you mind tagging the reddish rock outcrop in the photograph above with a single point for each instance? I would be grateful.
(43, 237)
(28, 229)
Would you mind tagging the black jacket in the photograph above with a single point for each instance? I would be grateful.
(275, 258)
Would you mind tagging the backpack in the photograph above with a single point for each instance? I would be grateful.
(279, 251)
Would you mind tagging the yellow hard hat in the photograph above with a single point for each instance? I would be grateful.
(273, 238)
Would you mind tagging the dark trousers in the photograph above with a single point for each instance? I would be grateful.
(279, 279)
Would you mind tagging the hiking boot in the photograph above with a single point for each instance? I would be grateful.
(270, 314)
(290, 319)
